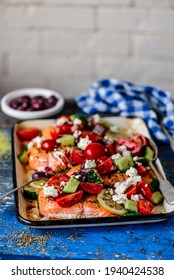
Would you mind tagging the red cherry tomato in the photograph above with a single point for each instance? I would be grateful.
(129, 143)
(144, 189)
(105, 167)
(142, 171)
(110, 149)
(28, 133)
(91, 188)
(138, 150)
(68, 200)
(56, 181)
(65, 129)
(145, 207)
(48, 145)
(55, 134)
(92, 136)
(140, 139)
(94, 151)
(132, 190)
(102, 159)
(78, 156)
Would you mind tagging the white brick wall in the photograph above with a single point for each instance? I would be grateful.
(67, 45)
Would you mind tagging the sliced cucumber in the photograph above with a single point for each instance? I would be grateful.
(71, 185)
(67, 140)
(29, 193)
(93, 176)
(23, 156)
(131, 205)
(154, 185)
(156, 198)
(143, 161)
(78, 116)
(148, 153)
(124, 163)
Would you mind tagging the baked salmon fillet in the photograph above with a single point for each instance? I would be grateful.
(89, 208)
(52, 210)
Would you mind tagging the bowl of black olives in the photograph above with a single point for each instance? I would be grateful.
(32, 103)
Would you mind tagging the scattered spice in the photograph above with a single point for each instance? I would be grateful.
(25, 240)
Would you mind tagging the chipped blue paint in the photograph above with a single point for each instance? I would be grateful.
(129, 242)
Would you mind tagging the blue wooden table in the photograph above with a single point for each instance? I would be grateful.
(129, 242)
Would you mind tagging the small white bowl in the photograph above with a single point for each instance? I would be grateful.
(31, 92)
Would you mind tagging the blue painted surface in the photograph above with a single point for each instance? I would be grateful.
(128, 242)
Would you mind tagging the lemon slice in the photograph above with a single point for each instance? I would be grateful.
(36, 184)
(105, 200)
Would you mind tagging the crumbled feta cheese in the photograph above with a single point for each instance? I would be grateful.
(37, 140)
(120, 187)
(77, 133)
(77, 176)
(138, 163)
(135, 158)
(119, 198)
(83, 143)
(61, 121)
(58, 154)
(132, 172)
(90, 163)
(121, 148)
(50, 191)
(133, 180)
(77, 121)
(135, 197)
(116, 156)
(62, 184)
(126, 153)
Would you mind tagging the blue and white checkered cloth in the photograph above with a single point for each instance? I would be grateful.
(128, 99)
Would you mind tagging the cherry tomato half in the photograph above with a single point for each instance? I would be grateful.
(56, 181)
(91, 188)
(55, 134)
(102, 159)
(129, 143)
(94, 151)
(144, 189)
(111, 149)
(28, 133)
(104, 167)
(92, 136)
(68, 200)
(132, 190)
(138, 150)
(65, 129)
(142, 171)
(140, 139)
(48, 145)
(78, 156)
(145, 207)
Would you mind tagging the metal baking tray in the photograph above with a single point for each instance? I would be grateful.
(137, 125)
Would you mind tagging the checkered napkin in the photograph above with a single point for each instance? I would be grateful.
(128, 99)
